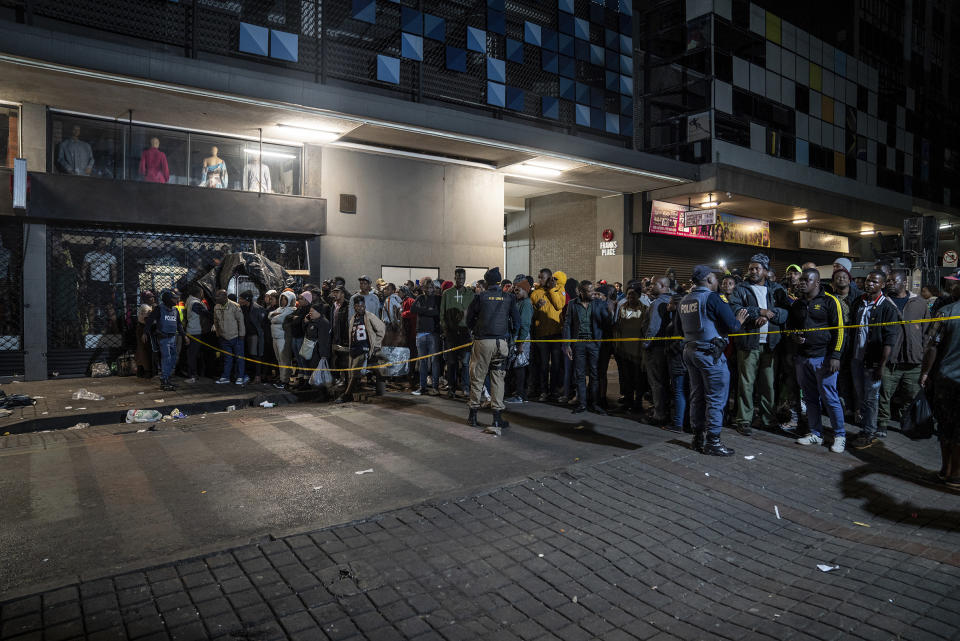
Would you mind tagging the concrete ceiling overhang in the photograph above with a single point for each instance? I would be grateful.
(122, 97)
(758, 196)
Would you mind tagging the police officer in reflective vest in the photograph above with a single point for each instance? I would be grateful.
(492, 317)
(163, 326)
(706, 321)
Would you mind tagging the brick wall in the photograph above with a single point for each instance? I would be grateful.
(564, 227)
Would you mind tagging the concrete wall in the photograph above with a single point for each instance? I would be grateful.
(518, 243)
(611, 214)
(563, 235)
(408, 213)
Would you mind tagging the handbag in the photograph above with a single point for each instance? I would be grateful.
(306, 350)
(917, 421)
(321, 376)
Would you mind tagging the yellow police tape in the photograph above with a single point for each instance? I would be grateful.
(570, 340)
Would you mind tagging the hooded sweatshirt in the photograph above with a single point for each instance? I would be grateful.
(278, 315)
(547, 307)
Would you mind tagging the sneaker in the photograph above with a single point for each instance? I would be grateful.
(222, 380)
(418, 392)
(514, 399)
(277, 385)
(243, 381)
(543, 398)
(863, 440)
(839, 444)
(192, 379)
(953, 482)
(743, 429)
(810, 439)
(881, 433)
(788, 428)
(580, 409)
(492, 429)
(562, 400)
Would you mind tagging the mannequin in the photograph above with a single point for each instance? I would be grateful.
(214, 171)
(75, 156)
(153, 163)
(257, 175)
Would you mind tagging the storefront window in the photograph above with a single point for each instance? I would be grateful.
(289, 254)
(9, 135)
(124, 151)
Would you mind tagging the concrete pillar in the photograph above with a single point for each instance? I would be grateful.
(614, 213)
(33, 147)
(35, 302)
(518, 243)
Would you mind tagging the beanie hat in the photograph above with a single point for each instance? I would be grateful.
(492, 277)
(844, 263)
(446, 285)
(307, 296)
(761, 259)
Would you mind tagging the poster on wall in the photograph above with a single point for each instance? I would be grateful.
(667, 218)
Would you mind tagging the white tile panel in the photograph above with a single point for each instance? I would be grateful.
(788, 92)
(816, 104)
(723, 8)
(803, 71)
(908, 165)
(697, 8)
(862, 171)
(773, 57)
(816, 49)
(723, 96)
(788, 36)
(803, 43)
(840, 114)
(872, 151)
(839, 139)
(741, 73)
(828, 56)
(891, 159)
(773, 86)
(827, 82)
(758, 77)
(788, 64)
(758, 20)
(851, 93)
(814, 130)
(872, 103)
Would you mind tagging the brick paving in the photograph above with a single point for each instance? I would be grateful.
(658, 544)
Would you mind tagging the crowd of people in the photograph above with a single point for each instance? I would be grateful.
(789, 362)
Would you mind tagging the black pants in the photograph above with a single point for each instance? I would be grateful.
(634, 381)
(550, 361)
(585, 360)
(193, 350)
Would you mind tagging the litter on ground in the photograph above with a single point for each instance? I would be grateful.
(827, 568)
(358, 473)
(776, 511)
(750, 458)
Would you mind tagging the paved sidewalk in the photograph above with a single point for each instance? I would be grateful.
(659, 544)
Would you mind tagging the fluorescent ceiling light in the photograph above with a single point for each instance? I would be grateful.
(868, 232)
(709, 205)
(799, 221)
(314, 135)
(945, 226)
(253, 151)
(538, 170)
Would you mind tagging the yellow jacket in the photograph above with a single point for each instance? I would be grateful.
(547, 307)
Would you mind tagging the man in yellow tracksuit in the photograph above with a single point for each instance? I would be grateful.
(548, 301)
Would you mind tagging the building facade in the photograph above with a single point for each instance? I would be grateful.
(337, 138)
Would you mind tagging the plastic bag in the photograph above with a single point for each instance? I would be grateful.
(917, 421)
(143, 416)
(99, 370)
(396, 357)
(83, 394)
(321, 377)
(306, 350)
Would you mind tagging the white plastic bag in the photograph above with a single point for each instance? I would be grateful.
(143, 416)
(321, 377)
(396, 357)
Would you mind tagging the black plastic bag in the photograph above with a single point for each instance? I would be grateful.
(917, 421)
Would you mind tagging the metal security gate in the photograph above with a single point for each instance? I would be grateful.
(96, 278)
(11, 298)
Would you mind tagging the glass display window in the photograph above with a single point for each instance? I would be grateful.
(271, 168)
(289, 254)
(86, 147)
(9, 135)
(158, 156)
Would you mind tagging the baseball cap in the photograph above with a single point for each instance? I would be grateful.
(954, 276)
(365, 277)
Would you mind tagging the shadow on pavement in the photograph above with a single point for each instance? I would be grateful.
(878, 460)
(582, 430)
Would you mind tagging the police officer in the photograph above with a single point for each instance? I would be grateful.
(491, 317)
(163, 326)
(706, 321)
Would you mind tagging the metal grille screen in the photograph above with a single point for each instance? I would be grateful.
(95, 277)
(11, 286)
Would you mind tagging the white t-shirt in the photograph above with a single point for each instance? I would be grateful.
(100, 264)
(760, 291)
